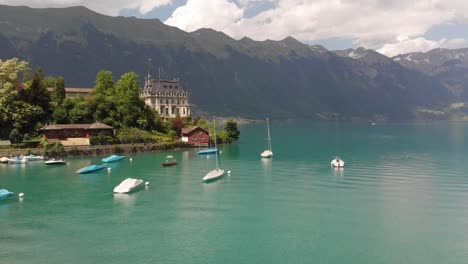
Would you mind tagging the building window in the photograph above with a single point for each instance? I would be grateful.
(161, 101)
(165, 86)
(167, 111)
(184, 111)
(167, 101)
(176, 86)
(178, 101)
(172, 101)
(194, 138)
(202, 138)
(170, 86)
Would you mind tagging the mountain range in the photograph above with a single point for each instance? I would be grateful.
(224, 76)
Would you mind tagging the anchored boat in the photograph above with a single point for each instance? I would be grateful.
(5, 193)
(113, 158)
(90, 168)
(128, 185)
(55, 162)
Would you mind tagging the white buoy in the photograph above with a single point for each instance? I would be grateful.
(130, 159)
(220, 151)
(229, 172)
(109, 169)
(21, 195)
(146, 183)
(207, 157)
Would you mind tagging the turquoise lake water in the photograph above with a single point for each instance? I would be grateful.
(402, 198)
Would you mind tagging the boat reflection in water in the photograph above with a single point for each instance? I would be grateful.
(126, 200)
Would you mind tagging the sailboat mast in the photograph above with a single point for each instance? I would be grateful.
(216, 145)
(269, 138)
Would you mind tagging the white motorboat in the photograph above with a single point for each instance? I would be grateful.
(128, 185)
(55, 162)
(32, 157)
(269, 152)
(17, 160)
(337, 163)
(218, 172)
(4, 160)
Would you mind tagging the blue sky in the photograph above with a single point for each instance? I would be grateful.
(388, 26)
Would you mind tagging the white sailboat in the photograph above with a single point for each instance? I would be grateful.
(218, 172)
(267, 153)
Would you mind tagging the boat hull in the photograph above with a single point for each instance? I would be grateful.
(168, 164)
(4, 193)
(113, 158)
(207, 151)
(89, 169)
(128, 185)
(55, 162)
(213, 175)
(337, 164)
(33, 158)
(266, 154)
(17, 161)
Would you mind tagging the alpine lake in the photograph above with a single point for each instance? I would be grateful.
(401, 198)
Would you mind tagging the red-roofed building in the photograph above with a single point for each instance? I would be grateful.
(75, 134)
(195, 136)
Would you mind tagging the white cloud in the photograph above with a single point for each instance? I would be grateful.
(373, 24)
(369, 23)
(106, 7)
(196, 14)
(406, 45)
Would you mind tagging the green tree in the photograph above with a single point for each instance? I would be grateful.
(36, 93)
(60, 115)
(59, 91)
(104, 83)
(15, 136)
(231, 130)
(11, 74)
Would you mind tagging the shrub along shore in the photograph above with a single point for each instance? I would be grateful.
(60, 151)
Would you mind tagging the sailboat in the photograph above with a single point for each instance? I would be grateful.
(268, 153)
(218, 172)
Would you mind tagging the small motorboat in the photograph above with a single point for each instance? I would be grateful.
(337, 163)
(4, 160)
(208, 151)
(32, 157)
(55, 162)
(5, 193)
(113, 158)
(90, 168)
(128, 185)
(170, 161)
(17, 160)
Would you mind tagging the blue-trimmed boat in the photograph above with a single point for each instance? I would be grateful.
(208, 151)
(5, 193)
(113, 158)
(90, 168)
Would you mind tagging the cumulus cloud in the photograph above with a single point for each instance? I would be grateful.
(106, 7)
(216, 14)
(369, 23)
(407, 45)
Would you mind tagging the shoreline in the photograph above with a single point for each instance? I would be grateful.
(77, 151)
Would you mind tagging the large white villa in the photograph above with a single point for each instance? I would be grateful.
(167, 97)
